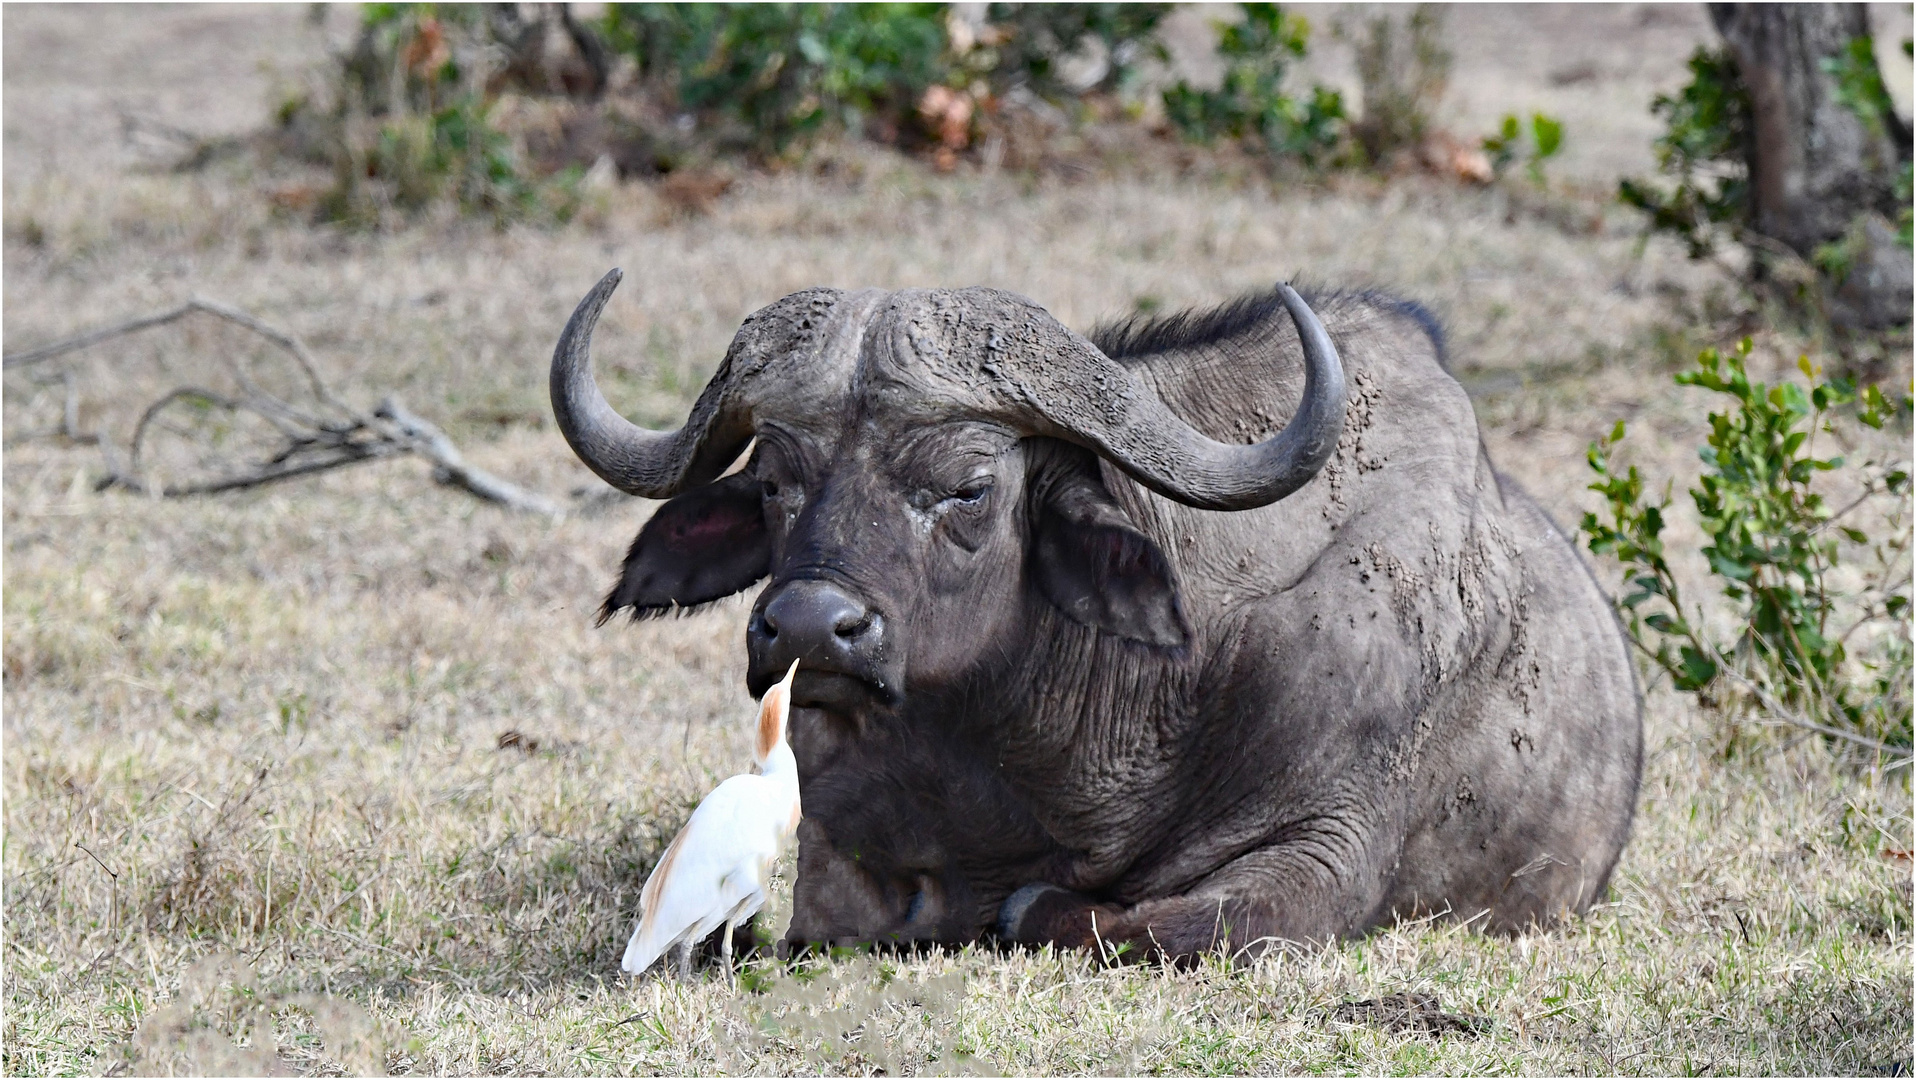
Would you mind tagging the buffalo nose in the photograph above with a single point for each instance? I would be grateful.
(815, 622)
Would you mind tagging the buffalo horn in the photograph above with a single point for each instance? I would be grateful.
(1129, 425)
(652, 464)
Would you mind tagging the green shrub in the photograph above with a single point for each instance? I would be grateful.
(455, 155)
(1038, 36)
(415, 121)
(411, 125)
(1772, 542)
(1707, 146)
(1251, 103)
(1509, 146)
(1705, 149)
(1403, 70)
(764, 77)
(769, 74)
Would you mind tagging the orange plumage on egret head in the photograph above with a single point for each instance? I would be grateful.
(718, 869)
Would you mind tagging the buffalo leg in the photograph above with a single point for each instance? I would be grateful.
(1260, 899)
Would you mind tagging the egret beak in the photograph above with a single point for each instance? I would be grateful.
(773, 711)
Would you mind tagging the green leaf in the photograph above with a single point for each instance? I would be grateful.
(1548, 134)
(1875, 407)
(1729, 568)
(1698, 671)
(812, 49)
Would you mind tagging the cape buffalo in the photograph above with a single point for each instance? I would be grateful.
(1188, 635)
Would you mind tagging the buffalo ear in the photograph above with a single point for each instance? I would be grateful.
(1097, 568)
(701, 546)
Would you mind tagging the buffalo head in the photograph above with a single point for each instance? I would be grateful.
(924, 467)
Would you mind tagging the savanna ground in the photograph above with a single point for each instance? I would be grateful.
(254, 784)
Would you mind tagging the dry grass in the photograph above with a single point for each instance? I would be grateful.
(257, 737)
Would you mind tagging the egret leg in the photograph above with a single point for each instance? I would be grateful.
(725, 950)
(684, 958)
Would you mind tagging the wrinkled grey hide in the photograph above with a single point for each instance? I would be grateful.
(1041, 689)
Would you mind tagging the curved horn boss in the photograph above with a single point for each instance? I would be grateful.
(1035, 373)
(1020, 366)
(661, 464)
(1170, 457)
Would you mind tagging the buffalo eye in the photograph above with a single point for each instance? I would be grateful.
(971, 492)
(966, 496)
(781, 501)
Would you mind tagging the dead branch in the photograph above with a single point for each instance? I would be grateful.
(451, 467)
(93, 337)
(317, 449)
(292, 345)
(310, 443)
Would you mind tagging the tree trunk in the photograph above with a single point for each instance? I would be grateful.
(1822, 179)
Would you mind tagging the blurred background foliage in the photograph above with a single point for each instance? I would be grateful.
(1252, 103)
(1815, 199)
(1703, 153)
(506, 111)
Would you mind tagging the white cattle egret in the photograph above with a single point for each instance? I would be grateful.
(718, 868)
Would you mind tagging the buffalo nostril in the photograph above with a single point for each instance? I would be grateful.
(816, 619)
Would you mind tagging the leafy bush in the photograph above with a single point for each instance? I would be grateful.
(1403, 72)
(1251, 103)
(1509, 146)
(1773, 543)
(769, 74)
(1708, 143)
(1706, 150)
(434, 104)
(411, 124)
(1036, 38)
(764, 77)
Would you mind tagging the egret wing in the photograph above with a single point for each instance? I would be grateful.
(711, 869)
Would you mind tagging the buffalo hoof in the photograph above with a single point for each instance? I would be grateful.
(1042, 913)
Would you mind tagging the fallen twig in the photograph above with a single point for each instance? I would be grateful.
(451, 467)
(182, 150)
(313, 443)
